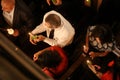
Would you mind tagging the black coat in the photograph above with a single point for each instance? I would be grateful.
(23, 21)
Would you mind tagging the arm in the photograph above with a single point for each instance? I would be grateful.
(39, 29)
(62, 37)
(86, 46)
(34, 38)
(36, 55)
(98, 54)
(102, 54)
(59, 40)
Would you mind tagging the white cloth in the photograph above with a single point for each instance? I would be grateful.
(63, 35)
(116, 51)
(9, 16)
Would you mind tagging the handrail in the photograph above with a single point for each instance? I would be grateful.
(22, 58)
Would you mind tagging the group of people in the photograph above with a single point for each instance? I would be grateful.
(101, 42)
(56, 32)
(25, 34)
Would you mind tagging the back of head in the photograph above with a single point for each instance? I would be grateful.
(49, 59)
(53, 19)
(103, 31)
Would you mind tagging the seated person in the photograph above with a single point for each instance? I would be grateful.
(100, 38)
(100, 42)
(53, 60)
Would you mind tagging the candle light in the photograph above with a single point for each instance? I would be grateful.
(10, 31)
(84, 47)
(89, 62)
(87, 3)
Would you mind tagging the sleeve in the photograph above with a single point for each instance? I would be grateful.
(64, 63)
(39, 29)
(51, 42)
(61, 38)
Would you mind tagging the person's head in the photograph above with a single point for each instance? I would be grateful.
(53, 21)
(7, 5)
(102, 33)
(49, 58)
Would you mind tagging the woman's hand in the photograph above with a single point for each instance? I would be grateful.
(85, 48)
(35, 57)
(92, 54)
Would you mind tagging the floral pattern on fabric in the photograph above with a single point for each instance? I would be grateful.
(96, 45)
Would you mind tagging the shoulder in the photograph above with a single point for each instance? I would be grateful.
(60, 51)
(57, 48)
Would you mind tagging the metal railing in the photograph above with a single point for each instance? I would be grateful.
(22, 58)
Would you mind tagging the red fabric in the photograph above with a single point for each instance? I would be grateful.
(62, 66)
(107, 76)
(111, 63)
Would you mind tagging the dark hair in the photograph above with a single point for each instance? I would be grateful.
(53, 19)
(49, 59)
(103, 31)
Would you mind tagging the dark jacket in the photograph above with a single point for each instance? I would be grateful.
(23, 21)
